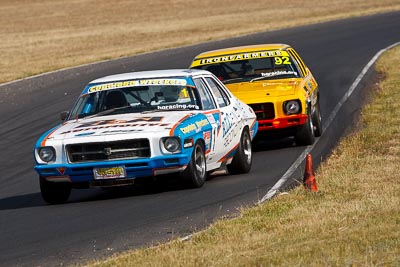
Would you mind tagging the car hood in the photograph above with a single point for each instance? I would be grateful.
(149, 123)
(261, 91)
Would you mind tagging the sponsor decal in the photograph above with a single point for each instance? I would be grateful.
(202, 123)
(207, 140)
(196, 126)
(210, 117)
(178, 106)
(229, 128)
(113, 85)
(232, 135)
(189, 128)
(133, 83)
(227, 123)
(241, 56)
(163, 82)
(277, 73)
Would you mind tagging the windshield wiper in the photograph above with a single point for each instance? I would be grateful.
(232, 80)
(266, 77)
(261, 78)
(270, 76)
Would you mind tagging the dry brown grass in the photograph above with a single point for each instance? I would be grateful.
(43, 35)
(353, 221)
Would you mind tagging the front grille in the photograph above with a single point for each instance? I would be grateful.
(264, 111)
(125, 149)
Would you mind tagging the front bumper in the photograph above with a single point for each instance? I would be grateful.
(271, 116)
(282, 123)
(135, 168)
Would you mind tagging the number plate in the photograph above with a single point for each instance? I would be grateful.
(109, 173)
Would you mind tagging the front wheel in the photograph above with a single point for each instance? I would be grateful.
(243, 159)
(317, 121)
(195, 173)
(305, 133)
(54, 192)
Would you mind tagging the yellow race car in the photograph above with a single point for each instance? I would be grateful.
(275, 82)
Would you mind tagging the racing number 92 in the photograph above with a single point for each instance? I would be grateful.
(282, 60)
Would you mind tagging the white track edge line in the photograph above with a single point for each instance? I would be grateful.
(272, 192)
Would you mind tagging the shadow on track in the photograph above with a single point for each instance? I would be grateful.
(143, 187)
(22, 201)
(268, 143)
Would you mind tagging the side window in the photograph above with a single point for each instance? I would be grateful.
(205, 97)
(222, 98)
(299, 61)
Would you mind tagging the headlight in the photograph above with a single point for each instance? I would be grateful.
(292, 107)
(172, 144)
(47, 154)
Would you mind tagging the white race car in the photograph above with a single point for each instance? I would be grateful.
(145, 124)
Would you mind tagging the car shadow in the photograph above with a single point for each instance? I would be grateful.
(147, 186)
(141, 188)
(265, 144)
(89, 195)
(22, 201)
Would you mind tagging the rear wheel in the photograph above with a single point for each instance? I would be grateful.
(195, 173)
(54, 192)
(305, 133)
(243, 159)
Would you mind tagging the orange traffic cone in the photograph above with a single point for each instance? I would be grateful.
(309, 177)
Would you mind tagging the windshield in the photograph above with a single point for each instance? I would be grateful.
(251, 69)
(136, 96)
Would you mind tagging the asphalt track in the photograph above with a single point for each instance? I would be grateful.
(96, 223)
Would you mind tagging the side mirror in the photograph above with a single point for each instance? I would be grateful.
(64, 115)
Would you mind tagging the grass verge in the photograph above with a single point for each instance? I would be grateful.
(44, 35)
(353, 221)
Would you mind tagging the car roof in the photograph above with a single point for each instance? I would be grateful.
(241, 49)
(151, 74)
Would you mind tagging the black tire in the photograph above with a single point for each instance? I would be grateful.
(305, 133)
(196, 173)
(243, 158)
(54, 192)
(317, 121)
